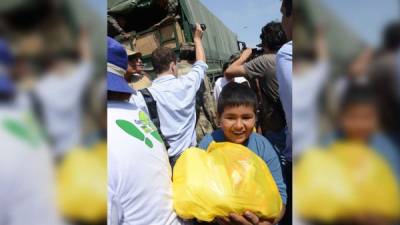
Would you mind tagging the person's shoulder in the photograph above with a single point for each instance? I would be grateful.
(217, 136)
(258, 137)
(218, 81)
(205, 141)
(286, 49)
(200, 63)
(382, 142)
(261, 141)
(121, 106)
(269, 56)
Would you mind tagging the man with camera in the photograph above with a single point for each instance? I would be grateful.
(259, 67)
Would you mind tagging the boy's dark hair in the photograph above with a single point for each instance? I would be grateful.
(161, 58)
(288, 6)
(273, 36)
(187, 52)
(357, 94)
(235, 94)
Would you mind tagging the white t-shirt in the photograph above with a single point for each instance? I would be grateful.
(139, 173)
(221, 82)
(27, 189)
(284, 74)
(61, 99)
(176, 100)
(306, 90)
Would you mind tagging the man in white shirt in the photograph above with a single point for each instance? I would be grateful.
(60, 92)
(176, 96)
(284, 73)
(139, 173)
(27, 187)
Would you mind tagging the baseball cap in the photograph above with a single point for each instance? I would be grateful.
(117, 63)
(131, 53)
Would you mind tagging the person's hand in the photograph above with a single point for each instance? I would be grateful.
(198, 32)
(246, 54)
(248, 218)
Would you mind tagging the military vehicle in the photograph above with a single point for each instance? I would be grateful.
(144, 25)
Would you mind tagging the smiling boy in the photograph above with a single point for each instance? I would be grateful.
(237, 117)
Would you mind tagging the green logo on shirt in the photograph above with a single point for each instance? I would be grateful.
(145, 124)
(26, 129)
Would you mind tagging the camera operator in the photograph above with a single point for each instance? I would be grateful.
(259, 67)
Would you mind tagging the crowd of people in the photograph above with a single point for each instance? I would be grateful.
(53, 106)
(149, 127)
(351, 102)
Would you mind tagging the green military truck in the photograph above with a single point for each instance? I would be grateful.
(144, 25)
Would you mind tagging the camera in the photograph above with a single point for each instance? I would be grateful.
(255, 52)
(203, 26)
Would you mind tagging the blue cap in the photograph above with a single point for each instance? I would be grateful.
(6, 61)
(117, 63)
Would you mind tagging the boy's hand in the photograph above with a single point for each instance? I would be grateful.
(248, 218)
(198, 32)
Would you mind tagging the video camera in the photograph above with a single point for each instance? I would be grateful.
(203, 26)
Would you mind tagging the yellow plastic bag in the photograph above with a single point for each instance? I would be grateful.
(227, 178)
(82, 184)
(343, 181)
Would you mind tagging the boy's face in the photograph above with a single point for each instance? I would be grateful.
(237, 123)
(359, 121)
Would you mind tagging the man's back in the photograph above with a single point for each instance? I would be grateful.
(139, 174)
(175, 99)
(206, 115)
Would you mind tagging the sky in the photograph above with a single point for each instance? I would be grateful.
(366, 17)
(245, 18)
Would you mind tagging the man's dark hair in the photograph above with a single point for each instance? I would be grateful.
(391, 36)
(234, 94)
(161, 58)
(273, 36)
(288, 7)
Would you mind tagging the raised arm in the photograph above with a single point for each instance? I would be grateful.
(236, 69)
(198, 35)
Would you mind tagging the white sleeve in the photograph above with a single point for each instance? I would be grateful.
(82, 75)
(216, 89)
(195, 76)
(321, 72)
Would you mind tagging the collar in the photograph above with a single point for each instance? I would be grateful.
(164, 78)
